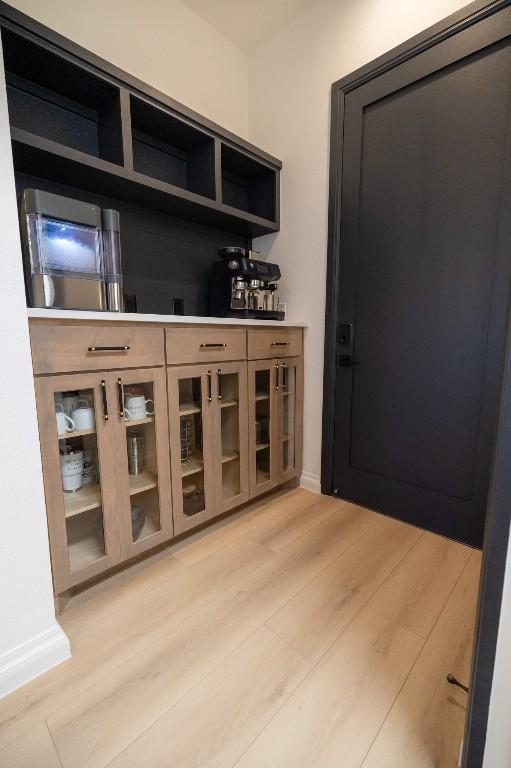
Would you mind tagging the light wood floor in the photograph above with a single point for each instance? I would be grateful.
(307, 633)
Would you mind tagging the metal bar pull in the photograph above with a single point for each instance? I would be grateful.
(280, 343)
(123, 348)
(120, 395)
(105, 403)
(219, 374)
(210, 398)
(277, 377)
(213, 346)
(284, 377)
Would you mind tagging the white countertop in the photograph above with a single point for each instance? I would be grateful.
(132, 317)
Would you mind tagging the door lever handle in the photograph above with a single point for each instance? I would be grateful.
(346, 361)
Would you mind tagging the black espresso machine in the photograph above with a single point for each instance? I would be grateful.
(244, 287)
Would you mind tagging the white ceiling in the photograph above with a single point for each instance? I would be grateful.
(247, 23)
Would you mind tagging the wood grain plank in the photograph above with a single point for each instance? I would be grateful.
(117, 625)
(214, 723)
(418, 589)
(334, 715)
(33, 750)
(107, 717)
(313, 619)
(425, 725)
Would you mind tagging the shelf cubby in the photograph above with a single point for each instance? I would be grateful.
(171, 150)
(53, 98)
(248, 184)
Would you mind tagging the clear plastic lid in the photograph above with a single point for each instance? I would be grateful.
(60, 247)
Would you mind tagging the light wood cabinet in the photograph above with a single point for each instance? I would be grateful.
(106, 513)
(167, 447)
(209, 445)
(275, 403)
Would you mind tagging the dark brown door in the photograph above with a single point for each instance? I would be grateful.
(424, 283)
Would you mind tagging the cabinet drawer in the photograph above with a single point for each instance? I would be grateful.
(63, 348)
(274, 342)
(204, 345)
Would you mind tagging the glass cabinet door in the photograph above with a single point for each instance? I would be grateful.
(230, 444)
(290, 385)
(263, 383)
(75, 443)
(190, 406)
(143, 451)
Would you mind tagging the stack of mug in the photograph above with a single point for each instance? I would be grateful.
(78, 465)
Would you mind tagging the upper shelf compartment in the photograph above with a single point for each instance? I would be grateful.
(248, 184)
(79, 121)
(171, 150)
(54, 99)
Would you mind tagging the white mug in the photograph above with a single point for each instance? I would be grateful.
(64, 422)
(135, 407)
(83, 416)
(71, 468)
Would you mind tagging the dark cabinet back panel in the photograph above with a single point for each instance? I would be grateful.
(164, 257)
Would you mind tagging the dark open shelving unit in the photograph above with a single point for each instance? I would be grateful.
(77, 120)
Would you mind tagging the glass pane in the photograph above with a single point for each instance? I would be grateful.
(288, 414)
(192, 464)
(230, 434)
(142, 459)
(262, 425)
(75, 428)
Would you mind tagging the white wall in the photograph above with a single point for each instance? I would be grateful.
(30, 639)
(164, 43)
(290, 78)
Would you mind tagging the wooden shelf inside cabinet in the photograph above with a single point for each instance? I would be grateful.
(77, 433)
(138, 422)
(186, 409)
(196, 464)
(142, 482)
(228, 403)
(230, 457)
(248, 184)
(261, 396)
(85, 550)
(262, 446)
(86, 498)
(37, 156)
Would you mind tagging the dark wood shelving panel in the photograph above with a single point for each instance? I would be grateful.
(59, 101)
(101, 131)
(171, 150)
(248, 184)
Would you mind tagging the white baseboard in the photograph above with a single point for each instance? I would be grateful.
(29, 660)
(310, 482)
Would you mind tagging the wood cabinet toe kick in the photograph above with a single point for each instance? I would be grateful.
(161, 430)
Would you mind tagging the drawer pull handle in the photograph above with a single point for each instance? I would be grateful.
(277, 377)
(105, 403)
(120, 395)
(210, 398)
(280, 343)
(213, 346)
(124, 348)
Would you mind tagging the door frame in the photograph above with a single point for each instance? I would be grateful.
(499, 500)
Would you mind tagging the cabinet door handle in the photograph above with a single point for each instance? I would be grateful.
(277, 378)
(213, 346)
(210, 398)
(105, 403)
(284, 381)
(120, 395)
(280, 343)
(219, 374)
(123, 348)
